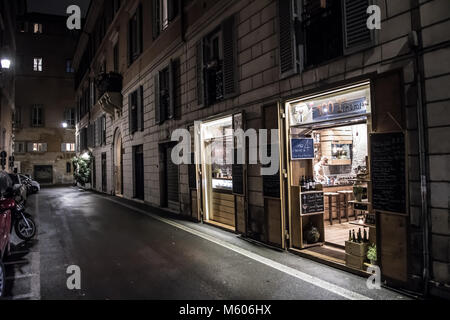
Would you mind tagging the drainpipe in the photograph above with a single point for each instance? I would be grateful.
(423, 164)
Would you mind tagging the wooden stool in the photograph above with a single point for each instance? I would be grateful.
(348, 195)
(330, 196)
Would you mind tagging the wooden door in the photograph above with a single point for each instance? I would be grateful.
(138, 154)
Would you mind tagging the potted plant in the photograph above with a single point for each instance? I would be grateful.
(372, 254)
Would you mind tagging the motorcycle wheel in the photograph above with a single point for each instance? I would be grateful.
(2, 280)
(22, 230)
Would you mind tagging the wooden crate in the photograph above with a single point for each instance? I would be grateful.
(354, 261)
(356, 249)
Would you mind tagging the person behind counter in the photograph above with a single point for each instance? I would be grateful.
(319, 173)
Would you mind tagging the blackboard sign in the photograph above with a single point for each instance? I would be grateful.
(312, 202)
(238, 179)
(192, 173)
(271, 185)
(388, 172)
(302, 148)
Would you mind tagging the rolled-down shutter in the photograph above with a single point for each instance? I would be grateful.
(157, 99)
(229, 57)
(288, 50)
(356, 33)
(200, 74)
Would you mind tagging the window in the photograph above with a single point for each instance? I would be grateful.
(68, 147)
(68, 167)
(217, 64)
(315, 31)
(20, 147)
(103, 130)
(37, 64)
(69, 117)
(135, 36)
(37, 147)
(165, 94)
(69, 66)
(136, 110)
(23, 26)
(37, 28)
(37, 116)
(116, 57)
(17, 118)
(164, 11)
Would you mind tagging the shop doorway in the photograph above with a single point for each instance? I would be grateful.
(138, 157)
(43, 174)
(104, 176)
(118, 164)
(329, 178)
(216, 151)
(170, 179)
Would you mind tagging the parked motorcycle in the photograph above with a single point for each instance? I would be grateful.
(23, 223)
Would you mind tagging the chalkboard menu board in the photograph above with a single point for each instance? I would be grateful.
(238, 179)
(192, 173)
(302, 148)
(388, 172)
(312, 202)
(271, 185)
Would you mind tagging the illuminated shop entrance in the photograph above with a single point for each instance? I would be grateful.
(217, 173)
(329, 178)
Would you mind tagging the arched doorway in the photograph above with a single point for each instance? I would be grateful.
(118, 163)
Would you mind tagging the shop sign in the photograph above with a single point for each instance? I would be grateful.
(302, 148)
(327, 110)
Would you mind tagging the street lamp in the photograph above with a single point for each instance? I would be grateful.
(65, 125)
(6, 63)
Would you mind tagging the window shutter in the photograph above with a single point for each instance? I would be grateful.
(229, 57)
(63, 147)
(44, 147)
(140, 109)
(200, 74)
(171, 111)
(288, 51)
(104, 130)
(130, 114)
(157, 100)
(140, 30)
(29, 147)
(356, 33)
(129, 41)
(156, 22)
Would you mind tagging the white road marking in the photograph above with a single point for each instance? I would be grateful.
(345, 293)
(23, 296)
(22, 276)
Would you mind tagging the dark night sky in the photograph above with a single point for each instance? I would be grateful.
(57, 7)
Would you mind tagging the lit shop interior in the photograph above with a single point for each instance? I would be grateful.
(216, 167)
(329, 175)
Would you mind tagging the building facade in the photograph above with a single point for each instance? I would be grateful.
(147, 68)
(8, 11)
(44, 120)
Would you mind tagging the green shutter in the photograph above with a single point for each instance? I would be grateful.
(172, 70)
(157, 102)
(287, 47)
(230, 73)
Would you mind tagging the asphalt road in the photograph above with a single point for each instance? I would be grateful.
(123, 253)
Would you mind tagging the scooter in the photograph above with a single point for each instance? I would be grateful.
(24, 224)
(6, 205)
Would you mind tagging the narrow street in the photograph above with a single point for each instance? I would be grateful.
(126, 254)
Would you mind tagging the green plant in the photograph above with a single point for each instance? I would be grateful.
(82, 169)
(372, 253)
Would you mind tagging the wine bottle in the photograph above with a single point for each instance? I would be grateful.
(349, 235)
(359, 236)
(354, 236)
(365, 236)
(302, 183)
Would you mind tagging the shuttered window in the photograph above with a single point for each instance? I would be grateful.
(164, 11)
(217, 72)
(356, 34)
(136, 110)
(288, 52)
(135, 36)
(37, 115)
(165, 92)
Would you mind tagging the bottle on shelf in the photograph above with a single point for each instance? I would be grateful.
(354, 236)
(360, 236)
(365, 236)
(350, 235)
(302, 183)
